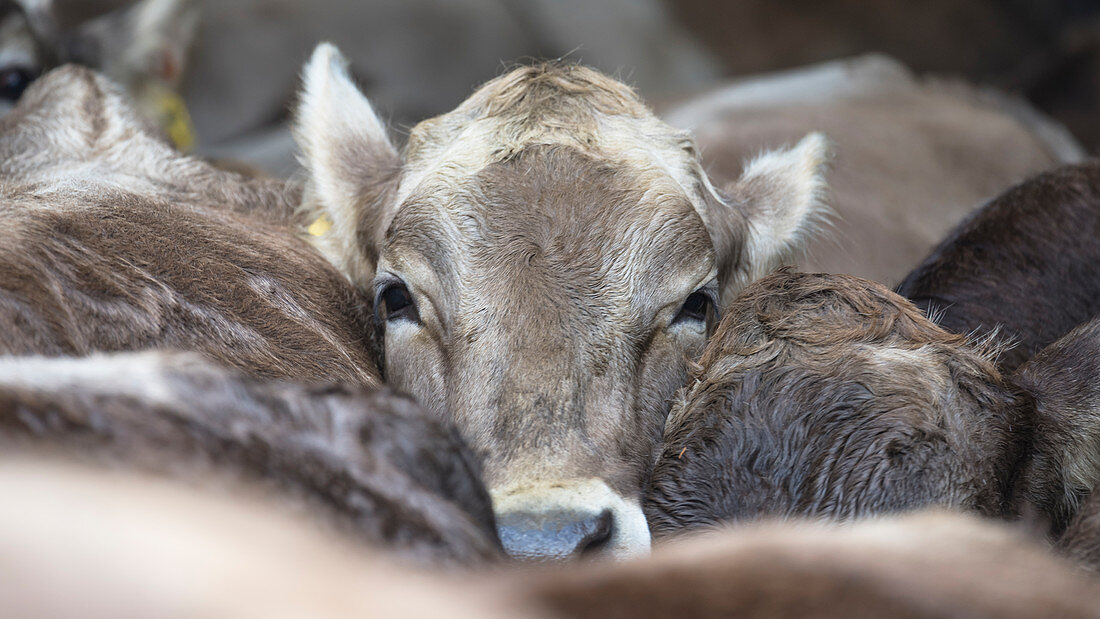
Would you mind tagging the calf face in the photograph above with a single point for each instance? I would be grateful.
(110, 240)
(1026, 264)
(830, 396)
(544, 259)
(369, 462)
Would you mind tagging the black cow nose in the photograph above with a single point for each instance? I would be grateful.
(554, 535)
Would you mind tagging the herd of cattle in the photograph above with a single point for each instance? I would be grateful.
(551, 325)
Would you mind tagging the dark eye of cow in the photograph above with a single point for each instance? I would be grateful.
(395, 302)
(13, 81)
(695, 307)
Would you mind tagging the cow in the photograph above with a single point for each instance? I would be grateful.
(543, 260)
(111, 240)
(1026, 265)
(913, 156)
(142, 46)
(85, 541)
(829, 396)
(930, 564)
(220, 556)
(365, 461)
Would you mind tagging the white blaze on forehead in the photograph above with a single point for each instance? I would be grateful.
(630, 533)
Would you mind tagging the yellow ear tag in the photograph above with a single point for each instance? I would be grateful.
(174, 119)
(320, 226)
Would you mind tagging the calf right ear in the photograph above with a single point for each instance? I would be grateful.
(774, 207)
(352, 166)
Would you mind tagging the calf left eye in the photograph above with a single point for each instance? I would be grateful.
(695, 307)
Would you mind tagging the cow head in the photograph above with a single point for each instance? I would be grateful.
(828, 396)
(545, 259)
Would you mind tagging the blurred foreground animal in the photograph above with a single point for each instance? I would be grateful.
(83, 543)
(913, 156)
(543, 260)
(143, 47)
(828, 396)
(368, 462)
(1026, 265)
(110, 240)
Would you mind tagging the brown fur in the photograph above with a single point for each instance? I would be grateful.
(913, 157)
(825, 395)
(829, 396)
(242, 558)
(1065, 465)
(114, 242)
(925, 565)
(370, 462)
(1027, 264)
(82, 542)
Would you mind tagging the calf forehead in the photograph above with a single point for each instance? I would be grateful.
(554, 223)
(548, 104)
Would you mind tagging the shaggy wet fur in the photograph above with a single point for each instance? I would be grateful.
(368, 461)
(112, 241)
(1027, 263)
(830, 396)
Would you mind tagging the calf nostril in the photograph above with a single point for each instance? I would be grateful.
(555, 535)
(596, 541)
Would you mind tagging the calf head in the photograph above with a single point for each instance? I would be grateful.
(830, 396)
(142, 47)
(545, 259)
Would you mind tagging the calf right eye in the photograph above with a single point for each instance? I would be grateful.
(13, 81)
(395, 302)
(694, 308)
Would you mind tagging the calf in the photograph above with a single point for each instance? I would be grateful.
(110, 240)
(543, 259)
(81, 542)
(923, 565)
(240, 558)
(367, 461)
(1026, 264)
(830, 396)
(913, 156)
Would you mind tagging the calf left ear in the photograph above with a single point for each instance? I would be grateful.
(352, 166)
(781, 196)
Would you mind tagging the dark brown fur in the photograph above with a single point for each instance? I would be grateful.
(176, 255)
(1065, 463)
(1028, 262)
(369, 461)
(830, 396)
(1081, 539)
